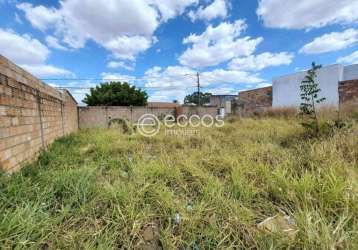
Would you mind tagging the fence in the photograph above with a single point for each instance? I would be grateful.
(100, 117)
(32, 115)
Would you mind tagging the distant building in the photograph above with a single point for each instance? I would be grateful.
(223, 103)
(220, 100)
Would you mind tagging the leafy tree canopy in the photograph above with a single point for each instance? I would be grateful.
(193, 98)
(116, 94)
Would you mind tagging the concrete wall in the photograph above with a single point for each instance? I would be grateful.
(32, 115)
(350, 72)
(200, 111)
(286, 89)
(100, 117)
(92, 117)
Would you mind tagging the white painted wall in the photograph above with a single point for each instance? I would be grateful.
(286, 89)
(350, 72)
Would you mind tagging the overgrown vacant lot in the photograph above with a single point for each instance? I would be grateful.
(103, 189)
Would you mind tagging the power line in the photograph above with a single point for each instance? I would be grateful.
(198, 85)
(144, 87)
(116, 79)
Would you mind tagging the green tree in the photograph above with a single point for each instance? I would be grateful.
(116, 94)
(309, 96)
(193, 98)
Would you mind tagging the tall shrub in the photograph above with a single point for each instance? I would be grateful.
(116, 94)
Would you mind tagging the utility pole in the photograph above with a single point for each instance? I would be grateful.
(198, 82)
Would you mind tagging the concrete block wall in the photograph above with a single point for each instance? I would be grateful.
(200, 111)
(32, 115)
(99, 117)
(70, 113)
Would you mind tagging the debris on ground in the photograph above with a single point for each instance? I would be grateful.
(177, 218)
(189, 207)
(89, 148)
(124, 174)
(150, 234)
(280, 223)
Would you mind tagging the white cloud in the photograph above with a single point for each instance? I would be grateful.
(218, 8)
(184, 77)
(22, 49)
(53, 42)
(42, 71)
(229, 76)
(222, 91)
(331, 42)
(263, 85)
(218, 44)
(168, 95)
(171, 77)
(350, 59)
(125, 28)
(171, 8)
(118, 77)
(125, 47)
(119, 64)
(29, 53)
(175, 82)
(305, 14)
(18, 19)
(261, 61)
(80, 93)
(40, 17)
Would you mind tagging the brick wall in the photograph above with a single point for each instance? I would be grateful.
(32, 115)
(254, 100)
(348, 91)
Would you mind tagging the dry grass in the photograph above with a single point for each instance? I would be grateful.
(98, 189)
(349, 109)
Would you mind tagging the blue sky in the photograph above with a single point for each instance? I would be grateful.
(159, 45)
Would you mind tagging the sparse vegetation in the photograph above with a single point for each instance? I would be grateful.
(194, 98)
(102, 188)
(310, 98)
